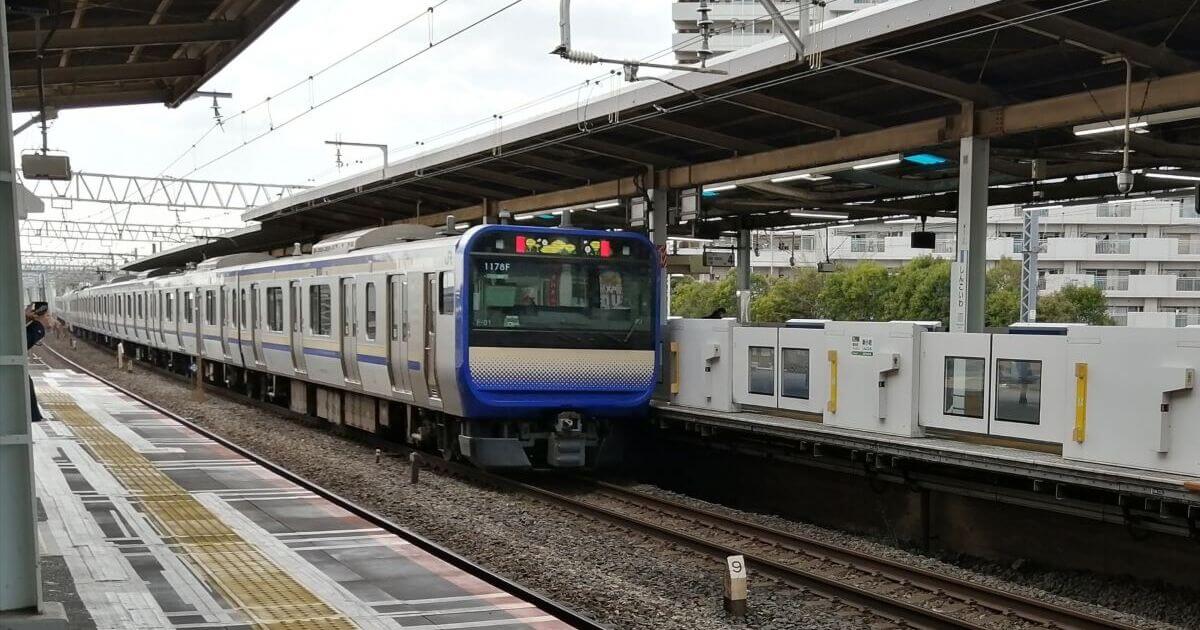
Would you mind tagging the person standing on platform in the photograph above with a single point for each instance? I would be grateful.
(35, 330)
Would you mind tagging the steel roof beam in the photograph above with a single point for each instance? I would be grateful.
(1060, 28)
(558, 167)
(931, 82)
(109, 73)
(127, 36)
(506, 179)
(439, 182)
(800, 113)
(622, 152)
(699, 135)
(416, 196)
(90, 98)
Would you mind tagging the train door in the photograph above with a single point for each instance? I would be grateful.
(256, 324)
(349, 297)
(178, 315)
(397, 311)
(430, 310)
(296, 320)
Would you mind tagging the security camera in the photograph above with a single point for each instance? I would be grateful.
(1124, 182)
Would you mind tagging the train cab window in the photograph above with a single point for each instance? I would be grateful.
(169, 307)
(275, 309)
(320, 317)
(963, 387)
(210, 308)
(1019, 391)
(762, 370)
(446, 301)
(371, 312)
(794, 373)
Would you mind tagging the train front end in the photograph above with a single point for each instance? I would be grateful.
(558, 341)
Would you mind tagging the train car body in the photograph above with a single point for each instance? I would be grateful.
(511, 346)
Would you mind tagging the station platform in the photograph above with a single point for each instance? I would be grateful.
(1046, 468)
(160, 527)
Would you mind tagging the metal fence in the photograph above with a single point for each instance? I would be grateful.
(1112, 247)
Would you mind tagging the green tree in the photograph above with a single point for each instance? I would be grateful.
(920, 291)
(789, 298)
(1072, 304)
(692, 298)
(1003, 301)
(857, 293)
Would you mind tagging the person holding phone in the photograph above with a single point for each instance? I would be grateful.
(35, 330)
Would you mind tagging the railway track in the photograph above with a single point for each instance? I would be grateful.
(905, 595)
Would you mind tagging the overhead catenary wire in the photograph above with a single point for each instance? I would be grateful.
(691, 103)
(308, 79)
(359, 84)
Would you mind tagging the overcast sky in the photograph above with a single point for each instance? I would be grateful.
(500, 65)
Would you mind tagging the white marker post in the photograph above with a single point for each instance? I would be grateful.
(735, 586)
(120, 356)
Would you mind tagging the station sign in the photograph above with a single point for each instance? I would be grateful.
(718, 259)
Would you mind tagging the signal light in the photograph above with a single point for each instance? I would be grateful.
(605, 249)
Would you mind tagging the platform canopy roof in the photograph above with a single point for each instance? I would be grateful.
(867, 126)
(122, 52)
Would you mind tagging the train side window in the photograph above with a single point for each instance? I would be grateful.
(275, 309)
(242, 310)
(1019, 391)
(963, 387)
(320, 317)
(295, 310)
(189, 307)
(762, 370)
(446, 301)
(371, 311)
(140, 306)
(170, 307)
(210, 307)
(794, 374)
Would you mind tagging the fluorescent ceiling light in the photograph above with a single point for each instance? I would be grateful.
(690, 238)
(1104, 127)
(719, 188)
(525, 217)
(1137, 199)
(883, 162)
(607, 204)
(1035, 208)
(901, 221)
(812, 177)
(818, 215)
(1176, 176)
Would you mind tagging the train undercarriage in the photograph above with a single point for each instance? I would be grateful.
(567, 440)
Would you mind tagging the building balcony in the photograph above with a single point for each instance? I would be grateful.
(1111, 283)
(1183, 320)
(1113, 247)
(1189, 247)
(1187, 283)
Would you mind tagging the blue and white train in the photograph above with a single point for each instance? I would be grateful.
(511, 346)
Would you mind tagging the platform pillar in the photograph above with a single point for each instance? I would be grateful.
(742, 260)
(658, 235)
(968, 272)
(20, 581)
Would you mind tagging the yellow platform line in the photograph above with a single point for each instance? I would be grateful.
(272, 598)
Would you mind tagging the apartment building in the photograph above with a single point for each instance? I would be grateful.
(741, 23)
(1144, 254)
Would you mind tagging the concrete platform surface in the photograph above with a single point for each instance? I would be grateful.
(160, 527)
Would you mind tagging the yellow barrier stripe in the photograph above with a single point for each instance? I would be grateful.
(674, 367)
(234, 567)
(833, 381)
(1081, 383)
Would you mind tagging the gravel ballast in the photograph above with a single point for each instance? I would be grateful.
(617, 577)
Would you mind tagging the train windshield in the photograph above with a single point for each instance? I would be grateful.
(567, 301)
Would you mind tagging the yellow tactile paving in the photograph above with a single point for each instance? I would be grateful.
(239, 571)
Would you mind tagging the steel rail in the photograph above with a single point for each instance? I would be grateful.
(542, 601)
(997, 600)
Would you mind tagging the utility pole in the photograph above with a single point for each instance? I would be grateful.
(1030, 247)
